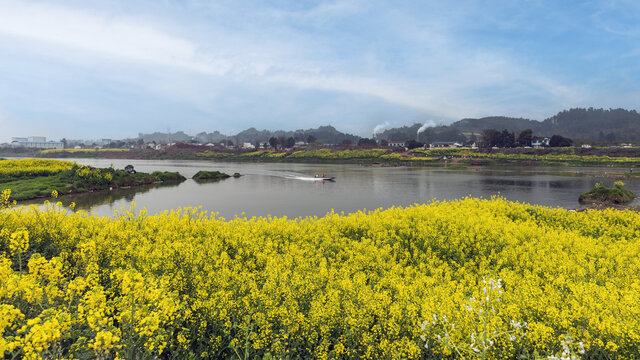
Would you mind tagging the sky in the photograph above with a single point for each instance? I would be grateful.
(81, 69)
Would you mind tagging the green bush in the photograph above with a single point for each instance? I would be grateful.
(601, 194)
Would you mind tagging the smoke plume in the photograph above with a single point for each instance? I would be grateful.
(378, 129)
(426, 125)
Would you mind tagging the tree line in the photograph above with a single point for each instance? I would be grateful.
(507, 139)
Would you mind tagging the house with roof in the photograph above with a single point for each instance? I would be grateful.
(396, 143)
(539, 141)
(444, 144)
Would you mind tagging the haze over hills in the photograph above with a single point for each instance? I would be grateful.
(578, 124)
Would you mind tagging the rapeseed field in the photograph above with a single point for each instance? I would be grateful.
(14, 169)
(472, 278)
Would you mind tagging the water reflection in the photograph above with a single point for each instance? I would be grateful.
(529, 184)
(87, 201)
(284, 189)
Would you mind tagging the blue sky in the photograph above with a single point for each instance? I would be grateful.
(111, 69)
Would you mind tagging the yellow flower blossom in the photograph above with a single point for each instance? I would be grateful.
(190, 284)
(19, 242)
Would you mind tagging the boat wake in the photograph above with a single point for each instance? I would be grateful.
(311, 178)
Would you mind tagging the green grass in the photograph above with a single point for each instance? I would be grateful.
(209, 175)
(71, 182)
(32, 188)
(605, 195)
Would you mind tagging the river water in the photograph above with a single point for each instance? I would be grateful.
(282, 189)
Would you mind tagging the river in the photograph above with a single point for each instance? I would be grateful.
(283, 189)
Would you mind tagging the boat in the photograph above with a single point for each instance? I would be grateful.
(314, 178)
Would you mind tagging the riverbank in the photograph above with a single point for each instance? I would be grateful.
(32, 178)
(381, 156)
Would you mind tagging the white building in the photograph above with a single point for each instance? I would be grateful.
(537, 142)
(395, 143)
(37, 142)
(444, 144)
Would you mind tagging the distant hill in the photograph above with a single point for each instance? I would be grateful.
(163, 138)
(578, 124)
(494, 122)
(595, 124)
(323, 134)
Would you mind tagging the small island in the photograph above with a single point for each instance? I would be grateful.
(34, 178)
(604, 195)
(210, 176)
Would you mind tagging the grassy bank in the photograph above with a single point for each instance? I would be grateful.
(486, 278)
(359, 156)
(540, 156)
(80, 153)
(29, 179)
(388, 156)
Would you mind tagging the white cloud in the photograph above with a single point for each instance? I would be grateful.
(119, 38)
(130, 41)
(442, 79)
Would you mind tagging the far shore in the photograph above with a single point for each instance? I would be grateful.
(376, 156)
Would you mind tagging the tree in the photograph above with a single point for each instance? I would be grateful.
(490, 138)
(412, 144)
(310, 139)
(273, 141)
(560, 141)
(507, 139)
(367, 142)
(282, 140)
(64, 143)
(290, 142)
(346, 142)
(525, 137)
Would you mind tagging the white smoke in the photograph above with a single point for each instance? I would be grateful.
(426, 125)
(378, 129)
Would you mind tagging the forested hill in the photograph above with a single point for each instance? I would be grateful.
(578, 124)
(595, 124)
(323, 134)
(495, 122)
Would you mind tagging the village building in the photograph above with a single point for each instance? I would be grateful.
(537, 142)
(444, 144)
(37, 142)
